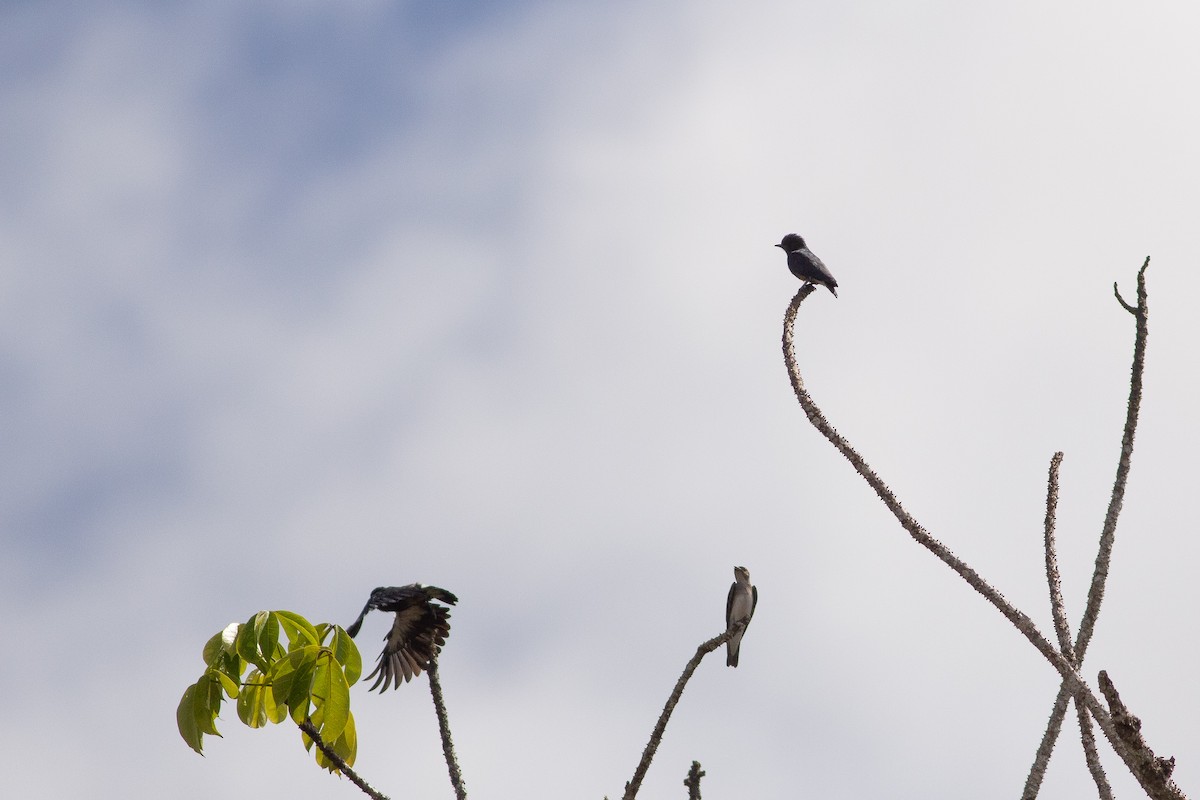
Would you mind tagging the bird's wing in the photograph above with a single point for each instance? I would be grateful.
(418, 633)
(729, 605)
(753, 603)
(436, 593)
(398, 662)
(385, 598)
(820, 271)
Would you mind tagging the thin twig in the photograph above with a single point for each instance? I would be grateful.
(311, 731)
(439, 704)
(631, 788)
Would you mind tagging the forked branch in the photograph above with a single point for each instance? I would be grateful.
(1091, 613)
(1073, 684)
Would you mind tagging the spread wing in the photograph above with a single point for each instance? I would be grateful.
(418, 631)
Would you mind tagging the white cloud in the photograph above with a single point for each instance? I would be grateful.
(497, 309)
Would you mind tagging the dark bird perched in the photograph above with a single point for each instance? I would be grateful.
(417, 635)
(806, 266)
(739, 606)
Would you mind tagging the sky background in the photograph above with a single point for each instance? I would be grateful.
(302, 298)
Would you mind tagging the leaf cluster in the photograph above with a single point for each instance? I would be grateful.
(277, 665)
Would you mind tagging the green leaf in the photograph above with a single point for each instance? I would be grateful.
(221, 644)
(197, 712)
(267, 633)
(227, 683)
(346, 746)
(206, 716)
(248, 641)
(214, 649)
(185, 720)
(292, 679)
(254, 699)
(331, 695)
(300, 632)
(346, 652)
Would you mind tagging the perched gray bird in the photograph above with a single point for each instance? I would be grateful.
(806, 266)
(418, 632)
(740, 606)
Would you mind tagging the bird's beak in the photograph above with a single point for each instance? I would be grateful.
(779, 245)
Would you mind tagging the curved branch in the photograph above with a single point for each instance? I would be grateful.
(1073, 683)
(1022, 622)
(631, 788)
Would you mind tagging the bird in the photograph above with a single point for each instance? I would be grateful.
(743, 597)
(418, 632)
(805, 265)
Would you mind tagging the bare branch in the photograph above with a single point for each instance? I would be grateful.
(1063, 629)
(1041, 760)
(1074, 684)
(439, 704)
(1152, 772)
(1108, 534)
(1121, 300)
(692, 781)
(1057, 608)
(1022, 622)
(631, 788)
(311, 731)
(1088, 738)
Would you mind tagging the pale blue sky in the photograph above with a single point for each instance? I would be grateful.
(298, 299)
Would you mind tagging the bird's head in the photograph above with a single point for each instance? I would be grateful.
(741, 574)
(791, 243)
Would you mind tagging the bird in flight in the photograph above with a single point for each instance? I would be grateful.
(418, 632)
(743, 597)
(805, 265)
